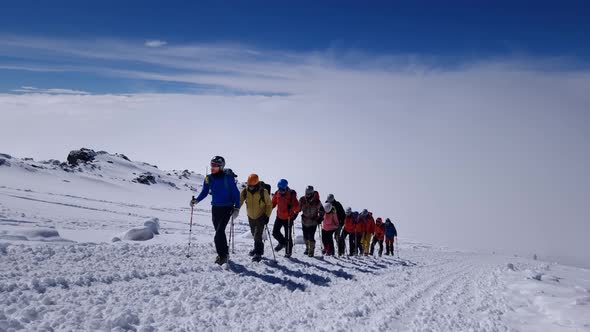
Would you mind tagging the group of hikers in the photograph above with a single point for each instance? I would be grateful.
(336, 223)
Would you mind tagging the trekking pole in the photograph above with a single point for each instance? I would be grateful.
(190, 233)
(292, 235)
(271, 247)
(353, 247)
(289, 236)
(232, 235)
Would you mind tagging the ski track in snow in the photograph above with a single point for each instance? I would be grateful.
(103, 286)
(56, 284)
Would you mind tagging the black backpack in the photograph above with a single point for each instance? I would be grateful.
(261, 188)
(265, 186)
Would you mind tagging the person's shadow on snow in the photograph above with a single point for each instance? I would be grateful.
(339, 274)
(288, 283)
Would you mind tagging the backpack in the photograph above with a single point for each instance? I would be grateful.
(266, 186)
(227, 172)
(288, 196)
(261, 188)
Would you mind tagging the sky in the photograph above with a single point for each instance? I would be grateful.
(465, 122)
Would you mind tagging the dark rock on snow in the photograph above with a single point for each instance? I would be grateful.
(84, 155)
(145, 178)
(122, 156)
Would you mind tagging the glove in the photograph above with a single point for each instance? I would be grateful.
(193, 202)
(266, 220)
(236, 213)
(295, 216)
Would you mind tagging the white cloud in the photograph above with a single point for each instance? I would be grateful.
(483, 155)
(155, 43)
(30, 89)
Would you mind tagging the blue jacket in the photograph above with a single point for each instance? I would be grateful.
(390, 230)
(223, 189)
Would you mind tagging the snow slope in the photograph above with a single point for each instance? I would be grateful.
(61, 270)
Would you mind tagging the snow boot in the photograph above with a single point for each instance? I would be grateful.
(306, 252)
(279, 247)
(289, 249)
(256, 258)
(311, 248)
(252, 252)
(258, 248)
(221, 260)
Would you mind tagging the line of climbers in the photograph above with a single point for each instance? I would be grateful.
(361, 229)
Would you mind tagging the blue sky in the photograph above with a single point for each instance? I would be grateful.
(439, 33)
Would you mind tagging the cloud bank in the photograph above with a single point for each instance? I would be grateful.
(487, 155)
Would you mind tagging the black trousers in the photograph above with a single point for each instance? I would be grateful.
(328, 240)
(276, 230)
(373, 246)
(309, 232)
(286, 239)
(358, 248)
(221, 216)
(257, 229)
(342, 242)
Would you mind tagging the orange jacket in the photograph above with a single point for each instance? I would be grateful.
(286, 203)
(379, 229)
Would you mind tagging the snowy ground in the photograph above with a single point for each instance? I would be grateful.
(60, 270)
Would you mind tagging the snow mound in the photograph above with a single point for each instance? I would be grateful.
(45, 233)
(139, 234)
(36, 234)
(151, 228)
(154, 225)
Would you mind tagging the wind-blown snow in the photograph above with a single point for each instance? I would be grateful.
(60, 270)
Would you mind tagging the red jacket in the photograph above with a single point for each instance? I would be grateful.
(379, 229)
(369, 225)
(282, 201)
(349, 224)
(359, 226)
